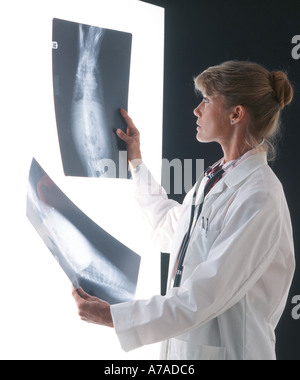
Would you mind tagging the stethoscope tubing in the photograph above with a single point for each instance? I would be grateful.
(187, 237)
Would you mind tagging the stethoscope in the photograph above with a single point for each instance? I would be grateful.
(187, 237)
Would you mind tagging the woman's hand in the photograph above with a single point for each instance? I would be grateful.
(92, 309)
(132, 139)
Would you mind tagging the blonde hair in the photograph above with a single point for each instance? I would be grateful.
(263, 94)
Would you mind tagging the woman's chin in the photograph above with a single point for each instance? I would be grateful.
(200, 138)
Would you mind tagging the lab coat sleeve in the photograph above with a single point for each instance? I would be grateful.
(161, 213)
(239, 256)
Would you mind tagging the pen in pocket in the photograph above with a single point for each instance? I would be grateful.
(205, 225)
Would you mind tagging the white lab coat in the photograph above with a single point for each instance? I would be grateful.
(237, 270)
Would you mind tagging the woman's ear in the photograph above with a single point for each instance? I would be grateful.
(238, 114)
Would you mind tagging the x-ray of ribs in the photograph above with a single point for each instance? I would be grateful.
(92, 139)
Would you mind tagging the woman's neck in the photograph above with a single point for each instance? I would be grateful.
(234, 152)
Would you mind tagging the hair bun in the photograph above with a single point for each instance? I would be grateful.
(283, 89)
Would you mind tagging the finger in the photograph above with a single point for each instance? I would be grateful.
(124, 113)
(123, 136)
(85, 295)
(76, 295)
(79, 293)
(128, 119)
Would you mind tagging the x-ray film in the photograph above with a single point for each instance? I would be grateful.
(91, 68)
(91, 258)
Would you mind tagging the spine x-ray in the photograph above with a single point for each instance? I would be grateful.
(91, 258)
(91, 68)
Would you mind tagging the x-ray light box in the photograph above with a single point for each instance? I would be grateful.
(43, 322)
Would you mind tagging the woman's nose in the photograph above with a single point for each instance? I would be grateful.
(197, 111)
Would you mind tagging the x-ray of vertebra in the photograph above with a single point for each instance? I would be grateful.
(90, 257)
(91, 68)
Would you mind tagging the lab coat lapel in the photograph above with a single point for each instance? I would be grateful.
(218, 188)
(239, 173)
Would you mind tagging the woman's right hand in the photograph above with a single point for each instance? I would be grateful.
(132, 139)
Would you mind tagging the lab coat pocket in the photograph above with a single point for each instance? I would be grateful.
(200, 245)
(181, 350)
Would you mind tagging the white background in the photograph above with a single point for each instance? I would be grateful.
(38, 316)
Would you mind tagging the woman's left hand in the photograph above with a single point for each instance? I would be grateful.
(92, 309)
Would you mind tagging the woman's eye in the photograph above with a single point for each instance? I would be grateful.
(205, 100)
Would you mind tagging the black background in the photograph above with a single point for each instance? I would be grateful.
(199, 34)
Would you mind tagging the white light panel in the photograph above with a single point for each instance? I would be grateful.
(39, 317)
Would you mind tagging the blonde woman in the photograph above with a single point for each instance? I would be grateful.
(231, 244)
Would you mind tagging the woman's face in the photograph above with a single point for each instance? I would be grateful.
(213, 120)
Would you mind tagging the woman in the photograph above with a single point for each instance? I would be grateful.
(232, 258)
